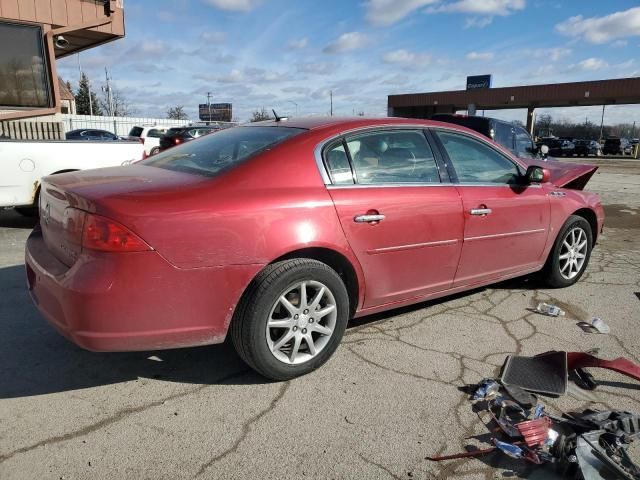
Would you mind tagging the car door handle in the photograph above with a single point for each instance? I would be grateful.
(480, 211)
(368, 218)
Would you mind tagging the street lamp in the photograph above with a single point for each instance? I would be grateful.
(291, 101)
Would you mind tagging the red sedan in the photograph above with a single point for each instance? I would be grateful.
(280, 232)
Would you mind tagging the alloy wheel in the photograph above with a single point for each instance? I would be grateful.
(573, 253)
(301, 322)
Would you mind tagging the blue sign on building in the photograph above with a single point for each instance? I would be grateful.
(478, 81)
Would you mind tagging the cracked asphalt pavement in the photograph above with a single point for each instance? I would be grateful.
(390, 396)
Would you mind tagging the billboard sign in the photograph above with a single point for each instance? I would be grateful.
(478, 81)
(216, 112)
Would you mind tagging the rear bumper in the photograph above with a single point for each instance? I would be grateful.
(133, 301)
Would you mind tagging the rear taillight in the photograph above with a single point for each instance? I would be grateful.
(105, 235)
(176, 141)
(142, 140)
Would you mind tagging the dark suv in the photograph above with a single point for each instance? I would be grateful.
(511, 136)
(176, 136)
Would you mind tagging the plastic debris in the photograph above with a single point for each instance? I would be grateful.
(487, 389)
(539, 411)
(549, 310)
(535, 432)
(510, 449)
(600, 325)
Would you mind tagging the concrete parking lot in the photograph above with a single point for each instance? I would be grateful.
(390, 396)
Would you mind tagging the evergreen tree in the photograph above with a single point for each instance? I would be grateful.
(83, 95)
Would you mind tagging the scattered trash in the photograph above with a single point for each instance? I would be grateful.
(488, 388)
(549, 310)
(591, 445)
(600, 325)
(544, 373)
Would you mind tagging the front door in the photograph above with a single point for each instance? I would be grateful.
(403, 224)
(506, 222)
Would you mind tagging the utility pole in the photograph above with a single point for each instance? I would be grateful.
(209, 106)
(602, 124)
(331, 97)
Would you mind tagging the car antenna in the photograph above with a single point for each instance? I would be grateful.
(278, 119)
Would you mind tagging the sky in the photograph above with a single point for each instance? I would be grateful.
(290, 54)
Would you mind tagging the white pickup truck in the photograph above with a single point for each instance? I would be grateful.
(24, 162)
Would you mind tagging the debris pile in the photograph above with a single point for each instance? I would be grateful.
(591, 444)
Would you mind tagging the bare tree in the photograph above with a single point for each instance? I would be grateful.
(177, 113)
(260, 115)
(120, 104)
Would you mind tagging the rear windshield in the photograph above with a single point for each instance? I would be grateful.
(135, 132)
(214, 153)
(155, 133)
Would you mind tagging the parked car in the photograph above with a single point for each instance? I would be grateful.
(265, 233)
(617, 146)
(584, 148)
(149, 135)
(511, 136)
(558, 147)
(176, 136)
(91, 134)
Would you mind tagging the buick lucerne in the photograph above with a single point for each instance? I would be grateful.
(277, 233)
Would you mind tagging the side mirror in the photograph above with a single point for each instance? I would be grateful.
(537, 174)
(544, 150)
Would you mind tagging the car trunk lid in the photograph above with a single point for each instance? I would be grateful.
(67, 198)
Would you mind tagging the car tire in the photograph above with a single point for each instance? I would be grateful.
(568, 259)
(271, 337)
(154, 151)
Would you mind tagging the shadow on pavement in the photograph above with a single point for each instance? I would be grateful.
(36, 360)
(12, 219)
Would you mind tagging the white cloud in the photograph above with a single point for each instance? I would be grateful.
(479, 56)
(298, 44)
(213, 37)
(482, 7)
(478, 22)
(348, 41)
(406, 58)
(316, 68)
(234, 5)
(603, 29)
(553, 54)
(589, 64)
(386, 12)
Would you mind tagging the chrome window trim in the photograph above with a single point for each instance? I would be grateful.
(317, 152)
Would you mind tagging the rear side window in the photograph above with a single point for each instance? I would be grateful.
(503, 134)
(135, 132)
(219, 151)
(393, 156)
(524, 144)
(338, 166)
(155, 133)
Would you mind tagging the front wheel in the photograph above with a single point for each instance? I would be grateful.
(291, 318)
(570, 254)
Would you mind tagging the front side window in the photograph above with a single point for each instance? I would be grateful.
(23, 67)
(393, 156)
(219, 151)
(475, 162)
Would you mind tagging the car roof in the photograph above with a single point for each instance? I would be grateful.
(348, 123)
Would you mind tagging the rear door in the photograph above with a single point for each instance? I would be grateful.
(506, 223)
(401, 216)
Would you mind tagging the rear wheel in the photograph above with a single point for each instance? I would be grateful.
(154, 151)
(291, 318)
(570, 254)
